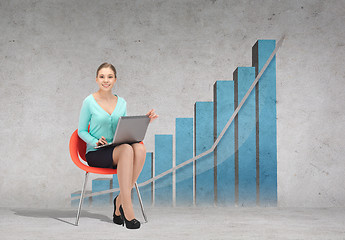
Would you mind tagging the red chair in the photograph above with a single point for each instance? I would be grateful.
(77, 149)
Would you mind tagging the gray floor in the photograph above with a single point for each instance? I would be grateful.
(177, 223)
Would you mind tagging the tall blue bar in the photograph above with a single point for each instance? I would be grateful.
(266, 123)
(163, 162)
(246, 139)
(101, 184)
(224, 154)
(203, 112)
(184, 151)
(146, 174)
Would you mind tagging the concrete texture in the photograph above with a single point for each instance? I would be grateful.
(168, 55)
(177, 223)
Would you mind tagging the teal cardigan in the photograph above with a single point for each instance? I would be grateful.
(101, 123)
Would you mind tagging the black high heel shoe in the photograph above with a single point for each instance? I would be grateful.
(133, 224)
(117, 219)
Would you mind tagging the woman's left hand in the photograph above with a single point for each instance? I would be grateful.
(152, 115)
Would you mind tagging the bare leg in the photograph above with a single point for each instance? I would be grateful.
(123, 157)
(139, 160)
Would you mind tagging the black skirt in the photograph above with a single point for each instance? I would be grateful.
(102, 158)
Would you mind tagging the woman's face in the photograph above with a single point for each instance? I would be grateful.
(106, 79)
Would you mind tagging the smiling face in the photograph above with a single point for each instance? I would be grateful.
(106, 79)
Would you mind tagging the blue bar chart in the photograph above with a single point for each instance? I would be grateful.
(242, 168)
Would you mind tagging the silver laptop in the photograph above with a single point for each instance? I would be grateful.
(130, 129)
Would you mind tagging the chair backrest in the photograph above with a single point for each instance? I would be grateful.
(81, 147)
(77, 147)
(80, 144)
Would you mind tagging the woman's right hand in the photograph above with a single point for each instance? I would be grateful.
(102, 141)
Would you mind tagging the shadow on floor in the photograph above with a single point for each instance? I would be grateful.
(59, 214)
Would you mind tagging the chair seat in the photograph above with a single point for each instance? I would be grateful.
(97, 170)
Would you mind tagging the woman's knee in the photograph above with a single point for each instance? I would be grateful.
(126, 149)
(123, 151)
(139, 148)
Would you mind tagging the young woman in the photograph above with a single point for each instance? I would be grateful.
(101, 111)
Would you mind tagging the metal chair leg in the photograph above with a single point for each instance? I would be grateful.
(81, 199)
(141, 203)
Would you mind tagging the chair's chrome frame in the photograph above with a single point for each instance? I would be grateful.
(82, 198)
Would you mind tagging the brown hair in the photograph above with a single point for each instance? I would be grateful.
(106, 65)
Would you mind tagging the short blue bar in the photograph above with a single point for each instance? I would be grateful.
(163, 162)
(146, 174)
(267, 123)
(244, 77)
(203, 112)
(224, 153)
(184, 151)
(101, 184)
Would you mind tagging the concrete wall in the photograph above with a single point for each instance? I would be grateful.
(168, 55)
